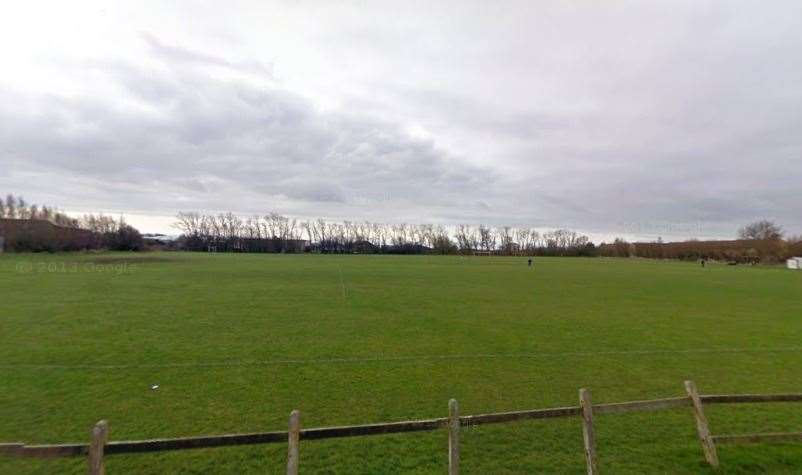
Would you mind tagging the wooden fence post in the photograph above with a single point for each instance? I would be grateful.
(702, 428)
(587, 432)
(453, 437)
(100, 435)
(293, 435)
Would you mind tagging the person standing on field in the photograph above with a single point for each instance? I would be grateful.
(530, 262)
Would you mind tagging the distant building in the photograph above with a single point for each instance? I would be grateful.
(160, 241)
(794, 263)
(42, 235)
(159, 238)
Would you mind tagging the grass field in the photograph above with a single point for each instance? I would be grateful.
(236, 342)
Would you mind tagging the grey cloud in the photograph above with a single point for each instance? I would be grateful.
(671, 118)
(263, 142)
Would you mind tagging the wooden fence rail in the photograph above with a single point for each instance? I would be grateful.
(99, 446)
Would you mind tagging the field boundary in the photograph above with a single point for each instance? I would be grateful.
(99, 446)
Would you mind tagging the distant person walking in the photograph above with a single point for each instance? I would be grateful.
(703, 262)
(530, 262)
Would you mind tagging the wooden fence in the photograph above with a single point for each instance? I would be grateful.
(99, 446)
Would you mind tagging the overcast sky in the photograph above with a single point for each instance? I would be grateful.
(643, 119)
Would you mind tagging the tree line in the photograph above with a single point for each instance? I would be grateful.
(16, 207)
(227, 231)
(22, 226)
(761, 241)
(30, 227)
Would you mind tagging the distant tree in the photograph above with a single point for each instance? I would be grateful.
(62, 219)
(487, 237)
(125, 238)
(22, 208)
(440, 241)
(11, 206)
(522, 238)
(505, 235)
(622, 247)
(535, 239)
(99, 224)
(188, 223)
(45, 213)
(463, 236)
(763, 230)
(400, 234)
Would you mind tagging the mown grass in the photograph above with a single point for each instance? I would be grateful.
(235, 342)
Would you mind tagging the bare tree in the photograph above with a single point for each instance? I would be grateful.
(46, 213)
(763, 230)
(506, 240)
(536, 239)
(440, 241)
(188, 223)
(463, 241)
(99, 224)
(232, 232)
(487, 237)
(11, 206)
(522, 239)
(399, 234)
(381, 232)
(350, 234)
(461, 235)
(23, 211)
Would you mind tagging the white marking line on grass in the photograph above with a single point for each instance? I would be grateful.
(223, 364)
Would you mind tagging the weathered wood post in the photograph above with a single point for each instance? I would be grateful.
(453, 437)
(702, 428)
(100, 435)
(293, 436)
(587, 431)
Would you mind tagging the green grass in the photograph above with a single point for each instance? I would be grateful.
(238, 341)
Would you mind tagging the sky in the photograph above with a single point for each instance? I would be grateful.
(678, 119)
